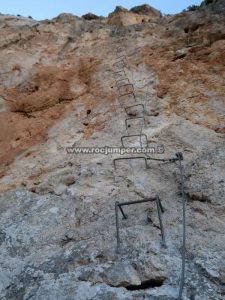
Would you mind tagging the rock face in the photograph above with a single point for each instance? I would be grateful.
(57, 210)
(137, 15)
(146, 10)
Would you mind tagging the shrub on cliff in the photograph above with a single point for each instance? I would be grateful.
(90, 16)
(191, 8)
(207, 2)
(145, 9)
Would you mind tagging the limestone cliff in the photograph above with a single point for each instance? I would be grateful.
(57, 220)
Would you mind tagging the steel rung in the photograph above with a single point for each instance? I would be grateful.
(132, 106)
(118, 62)
(127, 85)
(129, 119)
(134, 135)
(121, 80)
(127, 94)
(160, 210)
(131, 158)
(121, 57)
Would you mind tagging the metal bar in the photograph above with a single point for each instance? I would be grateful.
(118, 57)
(128, 107)
(161, 207)
(182, 280)
(120, 71)
(117, 62)
(119, 206)
(127, 79)
(130, 93)
(117, 227)
(116, 72)
(126, 85)
(122, 212)
(128, 158)
(136, 202)
(128, 119)
(134, 135)
(119, 49)
(160, 221)
(171, 160)
(162, 159)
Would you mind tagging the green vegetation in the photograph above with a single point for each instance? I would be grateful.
(192, 8)
(207, 2)
(196, 7)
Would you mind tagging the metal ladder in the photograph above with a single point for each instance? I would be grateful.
(136, 111)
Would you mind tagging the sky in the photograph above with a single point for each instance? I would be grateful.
(48, 9)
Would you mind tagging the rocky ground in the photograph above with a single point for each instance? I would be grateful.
(57, 88)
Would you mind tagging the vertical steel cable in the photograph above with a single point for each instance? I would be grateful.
(182, 279)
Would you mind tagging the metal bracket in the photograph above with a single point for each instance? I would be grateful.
(121, 71)
(121, 57)
(131, 94)
(131, 158)
(118, 206)
(134, 135)
(129, 107)
(118, 62)
(120, 49)
(121, 80)
(127, 85)
(129, 119)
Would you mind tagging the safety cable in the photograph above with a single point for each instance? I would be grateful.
(182, 280)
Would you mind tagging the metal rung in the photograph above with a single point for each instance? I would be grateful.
(131, 158)
(129, 119)
(120, 71)
(121, 80)
(131, 94)
(160, 210)
(127, 85)
(121, 57)
(118, 62)
(120, 49)
(128, 107)
(134, 135)
(121, 74)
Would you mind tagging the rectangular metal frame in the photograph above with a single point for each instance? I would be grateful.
(120, 74)
(128, 119)
(118, 206)
(134, 135)
(131, 158)
(120, 61)
(132, 93)
(120, 49)
(126, 85)
(121, 56)
(120, 80)
(128, 107)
